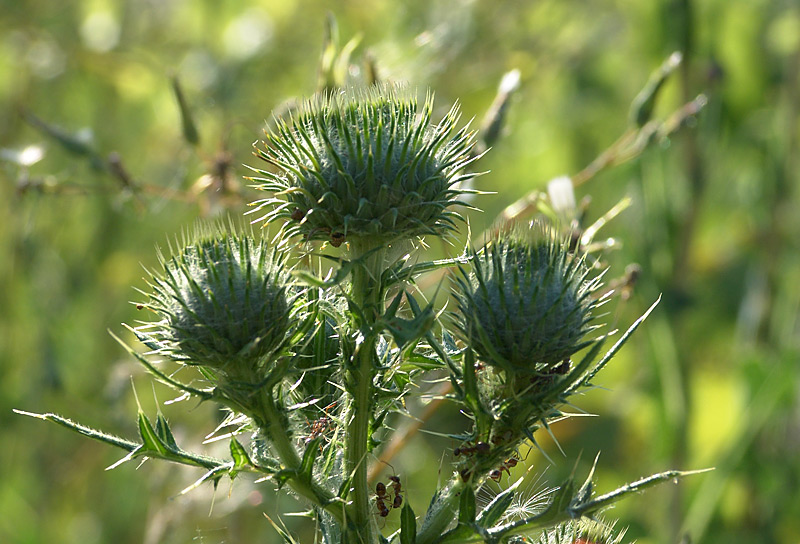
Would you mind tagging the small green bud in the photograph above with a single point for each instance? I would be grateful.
(364, 163)
(525, 302)
(223, 302)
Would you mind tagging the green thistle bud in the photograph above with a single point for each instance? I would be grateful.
(223, 304)
(365, 163)
(525, 302)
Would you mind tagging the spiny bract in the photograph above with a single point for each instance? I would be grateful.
(525, 302)
(223, 303)
(364, 163)
(584, 531)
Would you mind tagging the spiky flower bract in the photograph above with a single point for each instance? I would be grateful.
(365, 163)
(223, 303)
(582, 531)
(525, 301)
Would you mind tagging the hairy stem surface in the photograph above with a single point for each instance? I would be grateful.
(367, 298)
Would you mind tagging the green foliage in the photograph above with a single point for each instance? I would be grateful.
(224, 306)
(103, 162)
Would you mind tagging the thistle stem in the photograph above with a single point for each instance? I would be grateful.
(277, 431)
(366, 296)
(358, 438)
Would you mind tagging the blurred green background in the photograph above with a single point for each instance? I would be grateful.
(709, 380)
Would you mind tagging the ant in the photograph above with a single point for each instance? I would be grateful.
(380, 491)
(382, 496)
(337, 239)
(510, 463)
(398, 498)
(320, 426)
(549, 376)
(480, 448)
(502, 438)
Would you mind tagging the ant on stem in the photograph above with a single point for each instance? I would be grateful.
(509, 463)
(468, 449)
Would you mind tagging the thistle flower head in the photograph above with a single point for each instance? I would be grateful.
(582, 531)
(364, 163)
(525, 302)
(223, 303)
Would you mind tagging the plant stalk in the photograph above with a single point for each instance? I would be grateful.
(366, 295)
(279, 436)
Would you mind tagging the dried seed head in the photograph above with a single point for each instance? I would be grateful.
(223, 303)
(525, 302)
(364, 163)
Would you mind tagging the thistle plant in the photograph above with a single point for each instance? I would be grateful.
(278, 339)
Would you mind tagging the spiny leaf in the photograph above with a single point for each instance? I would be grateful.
(466, 508)
(163, 378)
(214, 474)
(616, 347)
(408, 525)
(634, 487)
(164, 433)
(284, 534)
(239, 454)
(152, 442)
(567, 504)
(495, 509)
(309, 456)
(134, 449)
(282, 476)
(341, 274)
(84, 430)
(407, 331)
